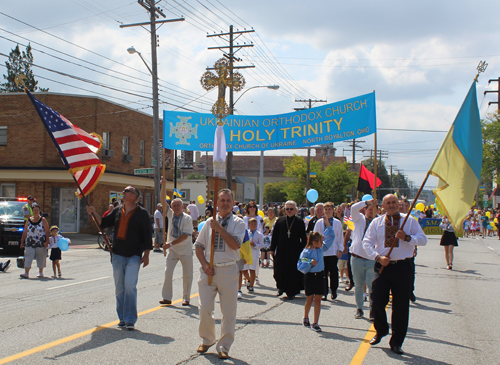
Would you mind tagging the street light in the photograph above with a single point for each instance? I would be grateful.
(156, 119)
(272, 87)
(261, 172)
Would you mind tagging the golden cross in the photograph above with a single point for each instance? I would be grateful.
(222, 79)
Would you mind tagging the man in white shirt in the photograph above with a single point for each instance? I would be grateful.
(362, 214)
(158, 227)
(180, 248)
(383, 233)
(193, 211)
(331, 256)
(229, 235)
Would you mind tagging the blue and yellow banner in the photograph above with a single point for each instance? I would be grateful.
(430, 226)
(347, 119)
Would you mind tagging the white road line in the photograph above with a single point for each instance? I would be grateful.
(491, 248)
(81, 282)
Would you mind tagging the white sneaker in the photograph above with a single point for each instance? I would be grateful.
(256, 280)
(40, 275)
(24, 275)
(7, 267)
(240, 295)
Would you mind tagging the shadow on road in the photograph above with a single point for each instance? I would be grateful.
(214, 359)
(104, 336)
(413, 359)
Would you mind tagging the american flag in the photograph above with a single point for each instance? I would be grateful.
(76, 147)
(348, 221)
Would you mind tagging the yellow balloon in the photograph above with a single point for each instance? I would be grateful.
(168, 198)
(495, 228)
(488, 214)
(201, 200)
(420, 206)
(492, 224)
(261, 213)
(495, 220)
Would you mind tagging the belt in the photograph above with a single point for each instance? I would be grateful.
(222, 264)
(359, 257)
(400, 260)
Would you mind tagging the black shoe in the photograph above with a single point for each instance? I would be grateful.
(280, 293)
(5, 266)
(377, 338)
(349, 287)
(359, 313)
(334, 296)
(413, 299)
(290, 297)
(324, 298)
(397, 349)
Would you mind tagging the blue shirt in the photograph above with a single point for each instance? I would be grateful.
(317, 253)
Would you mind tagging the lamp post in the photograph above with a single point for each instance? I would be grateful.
(261, 170)
(156, 119)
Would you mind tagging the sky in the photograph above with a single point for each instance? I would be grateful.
(419, 57)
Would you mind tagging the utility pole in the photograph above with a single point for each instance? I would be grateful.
(391, 166)
(230, 56)
(494, 91)
(154, 12)
(308, 182)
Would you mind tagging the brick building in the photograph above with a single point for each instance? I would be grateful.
(31, 165)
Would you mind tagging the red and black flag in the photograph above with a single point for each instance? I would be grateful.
(366, 180)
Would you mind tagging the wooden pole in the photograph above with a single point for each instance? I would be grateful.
(407, 216)
(163, 198)
(93, 216)
(214, 216)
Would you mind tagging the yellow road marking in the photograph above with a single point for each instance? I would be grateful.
(49, 345)
(364, 347)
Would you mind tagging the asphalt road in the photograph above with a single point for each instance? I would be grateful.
(73, 321)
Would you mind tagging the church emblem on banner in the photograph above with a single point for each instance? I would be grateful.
(183, 130)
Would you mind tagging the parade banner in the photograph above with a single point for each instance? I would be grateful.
(347, 119)
(430, 226)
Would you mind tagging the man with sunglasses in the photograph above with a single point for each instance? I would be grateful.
(287, 242)
(132, 241)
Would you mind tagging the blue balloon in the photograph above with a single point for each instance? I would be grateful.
(200, 226)
(63, 244)
(366, 197)
(312, 195)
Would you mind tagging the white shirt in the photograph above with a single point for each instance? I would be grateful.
(235, 227)
(185, 227)
(158, 215)
(260, 225)
(257, 238)
(193, 210)
(374, 240)
(359, 221)
(338, 241)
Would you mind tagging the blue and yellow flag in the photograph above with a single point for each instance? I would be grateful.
(458, 163)
(178, 193)
(246, 250)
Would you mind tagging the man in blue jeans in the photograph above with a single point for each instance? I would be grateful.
(132, 241)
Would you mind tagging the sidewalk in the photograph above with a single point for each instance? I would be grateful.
(82, 240)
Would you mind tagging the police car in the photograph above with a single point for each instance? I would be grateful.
(11, 224)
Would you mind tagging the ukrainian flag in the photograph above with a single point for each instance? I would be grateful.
(458, 163)
(178, 193)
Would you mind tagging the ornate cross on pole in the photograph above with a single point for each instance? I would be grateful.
(222, 79)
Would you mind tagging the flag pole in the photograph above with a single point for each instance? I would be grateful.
(407, 215)
(214, 216)
(375, 166)
(93, 216)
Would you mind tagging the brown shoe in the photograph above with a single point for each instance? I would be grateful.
(185, 303)
(223, 355)
(164, 301)
(204, 348)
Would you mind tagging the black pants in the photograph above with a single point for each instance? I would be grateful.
(349, 269)
(398, 279)
(332, 272)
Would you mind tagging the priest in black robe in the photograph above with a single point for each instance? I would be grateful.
(287, 242)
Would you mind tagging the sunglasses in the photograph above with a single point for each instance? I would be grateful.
(129, 191)
(289, 209)
(252, 206)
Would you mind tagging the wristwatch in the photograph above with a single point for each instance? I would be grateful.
(408, 238)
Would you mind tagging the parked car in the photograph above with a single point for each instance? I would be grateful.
(11, 224)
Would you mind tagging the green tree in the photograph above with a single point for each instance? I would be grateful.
(331, 184)
(491, 147)
(196, 176)
(19, 63)
(275, 192)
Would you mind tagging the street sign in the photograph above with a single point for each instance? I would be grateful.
(149, 171)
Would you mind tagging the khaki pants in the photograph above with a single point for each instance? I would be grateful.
(187, 275)
(224, 282)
